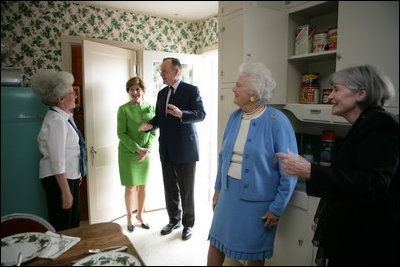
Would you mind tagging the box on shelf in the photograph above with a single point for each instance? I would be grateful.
(304, 35)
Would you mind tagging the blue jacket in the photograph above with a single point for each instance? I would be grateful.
(262, 177)
(178, 137)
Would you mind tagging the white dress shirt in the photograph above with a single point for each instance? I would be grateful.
(59, 145)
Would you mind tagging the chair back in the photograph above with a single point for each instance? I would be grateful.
(16, 223)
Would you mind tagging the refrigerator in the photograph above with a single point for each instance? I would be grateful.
(21, 119)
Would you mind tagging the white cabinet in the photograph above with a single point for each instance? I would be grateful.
(249, 33)
(367, 34)
(293, 241)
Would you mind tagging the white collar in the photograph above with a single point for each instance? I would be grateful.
(175, 86)
(63, 113)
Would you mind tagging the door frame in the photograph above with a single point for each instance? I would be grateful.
(67, 42)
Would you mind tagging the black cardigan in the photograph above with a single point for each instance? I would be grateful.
(359, 224)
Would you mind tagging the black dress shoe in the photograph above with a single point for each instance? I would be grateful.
(186, 233)
(169, 227)
(131, 228)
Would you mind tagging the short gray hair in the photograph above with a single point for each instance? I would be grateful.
(259, 80)
(50, 85)
(378, 86)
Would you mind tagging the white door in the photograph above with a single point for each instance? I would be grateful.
(106, 70)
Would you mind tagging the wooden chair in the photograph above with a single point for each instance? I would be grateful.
(23, 222)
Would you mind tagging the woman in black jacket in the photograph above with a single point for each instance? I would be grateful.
(360, 191)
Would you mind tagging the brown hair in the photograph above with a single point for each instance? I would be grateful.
(134, 81)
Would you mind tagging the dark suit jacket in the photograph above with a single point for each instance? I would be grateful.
(361, 193)
(178, 137)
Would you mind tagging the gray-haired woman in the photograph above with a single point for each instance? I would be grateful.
(251, 190)
(61, 169)
(360, 192)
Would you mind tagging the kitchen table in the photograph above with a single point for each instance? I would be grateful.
(99, 235)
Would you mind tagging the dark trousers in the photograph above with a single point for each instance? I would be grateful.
(62, 219)
(179, 185)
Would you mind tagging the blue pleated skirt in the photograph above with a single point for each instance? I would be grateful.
(237, 229)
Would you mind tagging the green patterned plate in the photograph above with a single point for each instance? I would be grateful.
(30, 244)
(109, 259)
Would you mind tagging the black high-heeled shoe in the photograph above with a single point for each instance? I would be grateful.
(144, 225)
(131, 228)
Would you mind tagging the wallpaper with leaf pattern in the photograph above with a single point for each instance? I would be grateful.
(35, 28)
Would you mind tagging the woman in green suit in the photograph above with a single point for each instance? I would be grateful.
(134, 148)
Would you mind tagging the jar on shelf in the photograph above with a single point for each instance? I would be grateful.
(328, 142)
(332, 38)
(309, 91)
(325, 96)
(320, 41)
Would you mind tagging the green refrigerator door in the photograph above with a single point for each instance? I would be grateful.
(21, 119)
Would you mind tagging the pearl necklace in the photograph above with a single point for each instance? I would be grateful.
(248, 115)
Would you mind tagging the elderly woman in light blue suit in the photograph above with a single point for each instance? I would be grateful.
(251, 189)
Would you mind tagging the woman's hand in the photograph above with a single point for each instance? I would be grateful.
(270, 219)
(143, 152)
(66, 197)
(295, 165)
(67, 200)
(215, 198)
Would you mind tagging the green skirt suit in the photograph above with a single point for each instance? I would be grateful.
(129, 117)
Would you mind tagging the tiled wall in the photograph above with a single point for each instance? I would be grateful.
(34, 29)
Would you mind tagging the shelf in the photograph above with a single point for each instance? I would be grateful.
(311, 57)
(319, 113)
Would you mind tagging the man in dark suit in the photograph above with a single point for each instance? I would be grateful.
(178, 107)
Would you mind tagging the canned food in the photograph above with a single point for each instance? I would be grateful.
(309, 94)
(312, 95)
(310, 78)
(320, 41)
(325, 95)
(332, 38)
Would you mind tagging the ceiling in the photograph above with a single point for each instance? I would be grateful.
(182, 10)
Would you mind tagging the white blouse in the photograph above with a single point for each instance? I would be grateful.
(235, 169)
(59, 145)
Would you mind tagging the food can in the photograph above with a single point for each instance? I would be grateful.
(320, 41)
(309, 94)
(303, 39)
(310, 78)
(332, 38)
(312, 95)
(325, 95)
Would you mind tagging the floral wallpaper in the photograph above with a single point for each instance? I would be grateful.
(34, 29)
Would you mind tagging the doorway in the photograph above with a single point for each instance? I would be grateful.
(202, 71)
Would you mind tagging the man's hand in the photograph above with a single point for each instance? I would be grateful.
(144, 127)
(174, 110)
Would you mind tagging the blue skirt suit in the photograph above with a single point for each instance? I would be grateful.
(237, 228)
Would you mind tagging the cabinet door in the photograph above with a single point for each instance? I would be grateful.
(266, 41)
(225, 108)
(293, 241)
(231, 47)
(368, 33)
